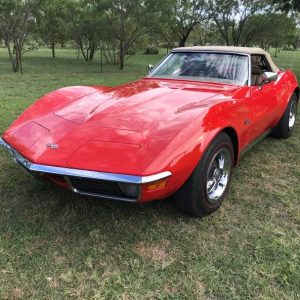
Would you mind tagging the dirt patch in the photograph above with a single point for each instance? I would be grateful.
(53, 282)
(156, 252)
(17, 293)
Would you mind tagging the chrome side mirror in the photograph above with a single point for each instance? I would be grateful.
(268, 77)
(150, 68)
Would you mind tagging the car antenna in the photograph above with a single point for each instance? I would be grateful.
(294, 55)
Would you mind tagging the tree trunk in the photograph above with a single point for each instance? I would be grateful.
(18, 58)
(122, 42)
(20, 61)
(184, 37)
(121, 55)
(182, 41)
(53, 49)
(101, 60)
(114, 53)
(83, 53)
(12, 58)
(121, 61)
(15, 65)
(92, 52)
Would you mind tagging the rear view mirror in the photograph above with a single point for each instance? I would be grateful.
(268, 77)
(150, 68)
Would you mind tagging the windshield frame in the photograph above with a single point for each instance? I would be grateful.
(204, 51)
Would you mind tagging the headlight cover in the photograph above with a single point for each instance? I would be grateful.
(130, 190)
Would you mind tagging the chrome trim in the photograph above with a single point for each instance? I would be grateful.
(156, 66)
(292, 115)
(2, 142)
(70, 184)
(249, 70)
(218, 175)
(101, 195)
(107, 197)
(82, 173)
(178, 50)
(16, 155)
(255, 142)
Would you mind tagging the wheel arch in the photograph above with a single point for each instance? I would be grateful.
(297, 92)
(231, 132)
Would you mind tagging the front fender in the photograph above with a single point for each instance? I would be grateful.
(49, 102)
(186, 149)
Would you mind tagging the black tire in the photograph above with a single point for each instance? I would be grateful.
(283, 130)
(193, 196)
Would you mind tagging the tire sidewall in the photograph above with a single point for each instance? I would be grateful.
(294, 99)
(221, 141)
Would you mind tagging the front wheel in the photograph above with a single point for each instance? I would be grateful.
(205, 190)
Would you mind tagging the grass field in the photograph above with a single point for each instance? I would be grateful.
(57, 245)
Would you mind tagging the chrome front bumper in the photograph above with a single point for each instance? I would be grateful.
(68, 173)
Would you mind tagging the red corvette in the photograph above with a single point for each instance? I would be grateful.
(179, 130)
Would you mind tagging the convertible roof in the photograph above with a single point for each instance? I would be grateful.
(244, 50)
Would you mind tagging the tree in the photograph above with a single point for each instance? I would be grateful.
(266, 30)
(84, 26)
(231, 17)
(294, 38)
(205, 34)
(176, 19)
(51, 23)
(288, 5)
(127, 20)
(17, 17)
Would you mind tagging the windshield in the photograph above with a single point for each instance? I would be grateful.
(204, 66)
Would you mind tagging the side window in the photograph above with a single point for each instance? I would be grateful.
(259, 65)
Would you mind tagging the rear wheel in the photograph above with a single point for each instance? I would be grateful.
(285, 127)
(206, 188)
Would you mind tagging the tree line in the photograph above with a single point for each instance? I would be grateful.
(119, 27)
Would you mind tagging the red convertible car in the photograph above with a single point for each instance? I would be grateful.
(178, 131)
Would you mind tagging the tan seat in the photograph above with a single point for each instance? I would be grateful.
(256, 75)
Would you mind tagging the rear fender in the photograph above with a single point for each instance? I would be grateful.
(285, 87)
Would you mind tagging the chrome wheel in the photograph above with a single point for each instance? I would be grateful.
(292, 116)
(218, 175)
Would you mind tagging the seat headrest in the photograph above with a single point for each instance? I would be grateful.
(256, 70)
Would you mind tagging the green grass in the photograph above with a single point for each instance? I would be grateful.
(57, 245)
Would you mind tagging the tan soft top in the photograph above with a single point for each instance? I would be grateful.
(244, 50)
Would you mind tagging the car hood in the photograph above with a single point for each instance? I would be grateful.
(137, 106)
(120, 130)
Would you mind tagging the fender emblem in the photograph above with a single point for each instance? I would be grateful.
(52, 146)
(247, 122)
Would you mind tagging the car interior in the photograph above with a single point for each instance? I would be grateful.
(259, 65)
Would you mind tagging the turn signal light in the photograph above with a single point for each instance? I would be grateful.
(157, 185)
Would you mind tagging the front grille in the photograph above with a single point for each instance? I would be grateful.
(98, 187)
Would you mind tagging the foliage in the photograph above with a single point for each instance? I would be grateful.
(176, 19)
(231, 17)
(120, 27)
(128, 22)
(151, 50)
(17, 18)
(288, 5)
(206, 35)
(58, 245)
(52, 25)
(270, 30)
(86, 26)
